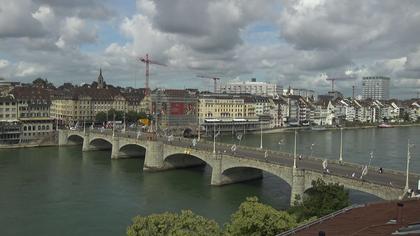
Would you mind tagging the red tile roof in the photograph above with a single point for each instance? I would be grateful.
(371, 219)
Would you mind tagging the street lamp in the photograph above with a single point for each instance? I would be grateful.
(214, 138)
(261, 140)
(341, 145)
(312, 147)
(113, 127)
(294, 152)
(408, 164)
(281, 142)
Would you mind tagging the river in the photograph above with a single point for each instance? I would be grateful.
(64, 191)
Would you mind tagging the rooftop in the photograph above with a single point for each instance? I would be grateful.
(383, 218)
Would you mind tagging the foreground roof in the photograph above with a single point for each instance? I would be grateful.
(384, 218)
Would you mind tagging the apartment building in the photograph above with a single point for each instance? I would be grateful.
(33, 112)
(376, 87)
(251, 87)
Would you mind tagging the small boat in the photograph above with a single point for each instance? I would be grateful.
(384, 125)
(318, 128)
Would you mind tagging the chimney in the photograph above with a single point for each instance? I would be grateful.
(400, 213)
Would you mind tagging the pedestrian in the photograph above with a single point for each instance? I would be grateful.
(300, 157)
(328, 171)
(353, 175)
(381, 170)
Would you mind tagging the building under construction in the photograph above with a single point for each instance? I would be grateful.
(175, 110)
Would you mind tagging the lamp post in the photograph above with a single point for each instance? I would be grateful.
(312, 148)
(294, 151)
(214, 138)
(408, 165)
(341, 145)
(261, 140)
(113, 127)
(199, 129)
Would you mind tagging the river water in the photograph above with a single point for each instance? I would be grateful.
(64, 191)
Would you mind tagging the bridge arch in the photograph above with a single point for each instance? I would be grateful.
(377, 190)
(132, 150)
(180, 159)
(284, 173)
(99, 143)
(75, 138)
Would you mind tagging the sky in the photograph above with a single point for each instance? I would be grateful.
(297, 43)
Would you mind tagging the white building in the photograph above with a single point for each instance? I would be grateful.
(376, 87)
(251, 87)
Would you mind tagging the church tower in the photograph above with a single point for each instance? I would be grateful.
(101, 82)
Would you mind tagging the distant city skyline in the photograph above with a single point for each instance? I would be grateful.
(296, 43)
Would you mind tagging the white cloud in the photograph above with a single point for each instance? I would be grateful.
(4, 63)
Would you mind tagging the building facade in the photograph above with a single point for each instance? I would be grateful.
(376, 87)
(251, 87)
(33, 112)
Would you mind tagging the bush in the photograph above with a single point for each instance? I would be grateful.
(186, 223)
(255, 218)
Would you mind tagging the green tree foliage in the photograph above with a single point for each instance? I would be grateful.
(100, 117)
(119, 115)
(186, 223)
(133, 117)
(322, 199)
(255, 218)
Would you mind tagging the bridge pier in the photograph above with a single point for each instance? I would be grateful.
(86, 147)
(298, 185)
(115, 151)
(154, 159)
(62, 138)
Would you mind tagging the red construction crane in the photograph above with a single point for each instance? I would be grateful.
(333, 79)
(215, 79)
(147, 61)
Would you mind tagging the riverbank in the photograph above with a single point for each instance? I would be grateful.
(44, 142)
(287, 129)
(27, 145)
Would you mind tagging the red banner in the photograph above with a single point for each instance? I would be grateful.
(177, 108)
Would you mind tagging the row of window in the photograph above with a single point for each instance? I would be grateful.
(33, 127)
(7, 109)
(7, 115)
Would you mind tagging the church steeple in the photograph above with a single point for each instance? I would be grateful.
(101, 82)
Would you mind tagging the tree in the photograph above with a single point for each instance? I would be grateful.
(119, 115)
(186, 223)
(255, 218)
(322, 199)
(100, 117)
(132, 116)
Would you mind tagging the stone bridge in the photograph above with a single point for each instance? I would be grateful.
(228, 167)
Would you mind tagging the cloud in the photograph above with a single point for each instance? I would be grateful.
(75, 31)
(291, 42)
(16, 20)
